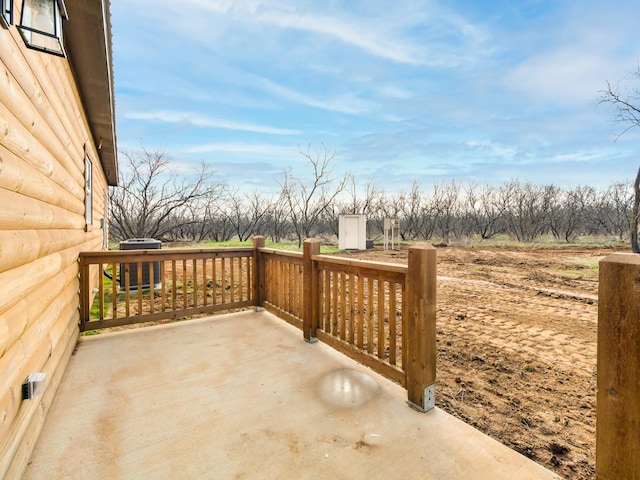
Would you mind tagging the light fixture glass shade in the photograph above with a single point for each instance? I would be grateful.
(41, 25)
(6, 15)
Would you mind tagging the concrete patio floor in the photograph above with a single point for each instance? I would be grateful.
(243, 396)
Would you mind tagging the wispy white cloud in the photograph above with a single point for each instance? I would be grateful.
(199, 120)
(566, 75)
(290, 16)
(241, 148)
(396, 92)
(576, 157)
(488, 90)
(492, 149)
(339, 103)
(414, 33)
(580, 51)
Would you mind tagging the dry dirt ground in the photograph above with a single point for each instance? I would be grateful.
(517, 347)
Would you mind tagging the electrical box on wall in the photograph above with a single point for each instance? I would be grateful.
(33, 385)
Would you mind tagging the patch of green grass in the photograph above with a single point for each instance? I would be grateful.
(94, 311)
(226, 244)
(329, 249)
(585, 267)
(591, 263)
(90, 333)
(568, 273)
(289, 246)
(545, 241)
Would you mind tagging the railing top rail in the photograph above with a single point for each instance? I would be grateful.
(283, 253)
(166, 254)
(382, 266)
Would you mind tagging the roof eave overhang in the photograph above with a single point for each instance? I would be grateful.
(87, 35)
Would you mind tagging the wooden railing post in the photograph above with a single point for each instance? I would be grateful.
(618, 394)
(84, 285)
(310, 247)
(420, 318)
(258, 271)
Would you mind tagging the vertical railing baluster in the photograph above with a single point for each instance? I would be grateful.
(351, 309)
(205, 287)
(369, 315)
(381, 330)
(360, 311)
(152, 286)
(342, 305)
(232, 279)
(163, 286)
(101, 291)
(392, 323)
(214, 294)
(139, 287)
(114, 291)
(174, 286)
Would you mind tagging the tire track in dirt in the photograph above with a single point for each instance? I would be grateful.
(557, 330)
(520, 367)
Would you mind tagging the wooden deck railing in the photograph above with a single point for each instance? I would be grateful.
(382, 315)
(153, 285)
(283, 284)
(360, 311)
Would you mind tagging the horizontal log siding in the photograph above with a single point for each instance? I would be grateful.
(43, 137)
(191, 282)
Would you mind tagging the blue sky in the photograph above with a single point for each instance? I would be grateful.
(402, 90)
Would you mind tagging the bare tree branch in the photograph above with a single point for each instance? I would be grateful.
(627, 113)
(308, 200)
(152, 199)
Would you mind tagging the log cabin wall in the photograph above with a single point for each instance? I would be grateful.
(46, 138)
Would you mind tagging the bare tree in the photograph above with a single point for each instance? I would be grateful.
(362, 204)
(277, 223)
(353, 201)
(613, 209)
(526, 210)
(219, 227)
(447, 209)
(627, 114)
(246, 212)
(329, 222)
(307, 200)
(417, 211)
(483, 210)
(151, 198)
(391, 206)
(569, 212)
(633, 224)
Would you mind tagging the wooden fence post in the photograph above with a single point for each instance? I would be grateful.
(420, 318)
(310, 247)
(258, 271)
(618, 394)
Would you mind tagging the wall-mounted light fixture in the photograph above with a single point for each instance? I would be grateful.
(6, 15)
(33, 385)
(41, 25)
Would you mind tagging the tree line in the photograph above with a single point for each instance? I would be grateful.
(154, 201)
